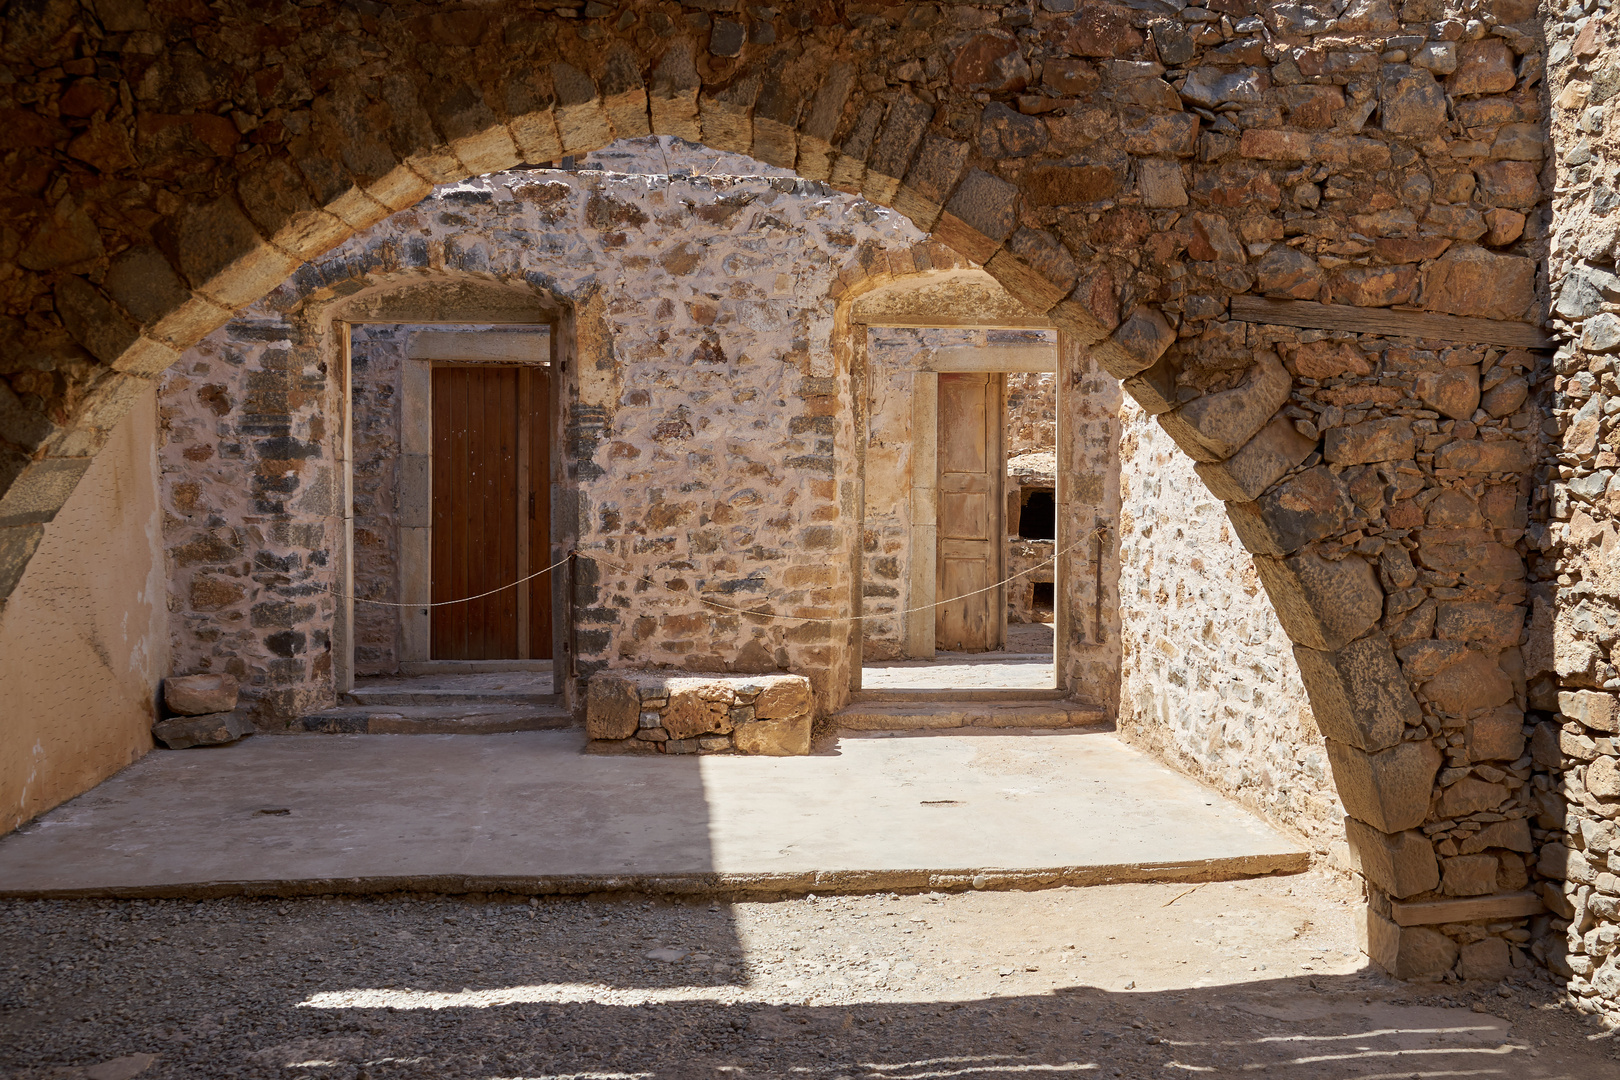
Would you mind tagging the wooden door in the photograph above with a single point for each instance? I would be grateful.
(491, 512)
(970, 513)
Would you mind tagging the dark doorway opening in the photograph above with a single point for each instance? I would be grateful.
(1042, 596)
(1037, 518)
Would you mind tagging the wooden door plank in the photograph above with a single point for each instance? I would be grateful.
(969, 445)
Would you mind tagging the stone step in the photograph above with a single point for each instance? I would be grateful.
(922, 695)
(916, 716)
(394, 696)
(472, 667)
(474, 719)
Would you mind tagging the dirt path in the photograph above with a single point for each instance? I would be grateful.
(1134, 980)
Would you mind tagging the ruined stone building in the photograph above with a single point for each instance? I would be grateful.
(1261, 351)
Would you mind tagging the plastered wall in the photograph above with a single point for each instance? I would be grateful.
(83, 641)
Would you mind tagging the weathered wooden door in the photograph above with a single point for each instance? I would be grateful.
(491, 512)
(970, 509)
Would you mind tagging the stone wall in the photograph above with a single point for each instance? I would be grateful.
(1031, 412)
(1571, 657)
(1208, 678)
(83, 645)
(376, 388)
(709, 439)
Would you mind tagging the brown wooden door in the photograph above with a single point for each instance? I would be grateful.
(491, 512)
(970, 509)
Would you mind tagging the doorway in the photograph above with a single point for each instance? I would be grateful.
(491, 518)
(971, 616)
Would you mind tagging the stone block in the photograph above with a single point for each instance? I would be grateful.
(1506, 455)
(1469, 280)
(218, 248)
(1401, 865)
(1561, 863)
(1388, 790)
(1160, 184)
(1483, 67)
(1410, 102)
(1358, 694)
(612, 707)
(1471, 795)
(782, 737)
(1322, 605)
(1592, 708)
(216, 729)
(1469, 875)
(978, 216)
(1496, 625)
(1286, 272)
(1513, 834)
(783, 696)
(1390, 439)
(1136, 345)
(39, 490)
(698, 710)
(1603, 778)
(1216, 426)
(1306, 508)
(1487, 960)
(1544, 749)
(1409, 952)
(1247, 474)
(198, 695)
(1470, 684)
(1496, 736)
(1453, 392)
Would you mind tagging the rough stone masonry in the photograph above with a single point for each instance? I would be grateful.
(1311, 238)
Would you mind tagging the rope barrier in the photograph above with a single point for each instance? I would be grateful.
(575, 553)
(447, 603)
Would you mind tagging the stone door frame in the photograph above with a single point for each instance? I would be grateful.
(443, 300)
(415, 522)
(921, 586)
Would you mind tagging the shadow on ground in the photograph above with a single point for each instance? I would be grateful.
(629, 988)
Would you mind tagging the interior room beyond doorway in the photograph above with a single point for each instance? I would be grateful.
(961, 510)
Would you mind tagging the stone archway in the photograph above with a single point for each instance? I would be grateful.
(1054, 148)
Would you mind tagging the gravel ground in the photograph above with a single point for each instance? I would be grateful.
(1130, 980)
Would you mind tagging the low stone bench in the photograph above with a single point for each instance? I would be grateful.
(681, 712)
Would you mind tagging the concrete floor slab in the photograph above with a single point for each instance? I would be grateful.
(527, 812)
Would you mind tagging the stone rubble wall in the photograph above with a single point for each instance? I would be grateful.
(1208, 680)
(712, 329)
(1571, 657)
(376, 381)
(1031, 412)
(665, 712)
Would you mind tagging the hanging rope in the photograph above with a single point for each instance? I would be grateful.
(715, 604)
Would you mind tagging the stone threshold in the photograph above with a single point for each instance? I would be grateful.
(712, 884)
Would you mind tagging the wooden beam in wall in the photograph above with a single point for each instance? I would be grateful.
(1414, 324)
